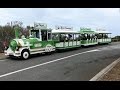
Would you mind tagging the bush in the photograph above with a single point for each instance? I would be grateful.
(7, 33)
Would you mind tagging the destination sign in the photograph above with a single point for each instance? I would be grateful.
(86, 29)
(63, 27)
(40, 25)
(100, 30)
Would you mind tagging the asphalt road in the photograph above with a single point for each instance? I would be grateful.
(75, 65)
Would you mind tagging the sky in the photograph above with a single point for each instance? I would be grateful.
(104, 18)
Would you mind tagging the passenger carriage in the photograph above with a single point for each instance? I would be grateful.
(88, 37)
(103, 36)
(66, 38)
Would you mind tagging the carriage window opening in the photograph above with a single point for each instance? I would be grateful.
(109, 35)
(75, 37)
(44, 35)
(62, 37)
(70, 36)
(83, 37)
(79, 37)
(35, 33)
(88, 36)
(100, 36)
(55, 36)
(95, 36)
(106, 35)
(49, 35)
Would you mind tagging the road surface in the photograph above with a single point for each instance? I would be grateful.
(75, 65)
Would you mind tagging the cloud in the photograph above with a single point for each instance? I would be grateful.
(107, 18)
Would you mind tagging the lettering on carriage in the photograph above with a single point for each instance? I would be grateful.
(40, 25)
(38, 45)
(63, 27)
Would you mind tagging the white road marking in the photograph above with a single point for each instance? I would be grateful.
(46, 63)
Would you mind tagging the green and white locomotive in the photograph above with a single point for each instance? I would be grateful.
(40, 41)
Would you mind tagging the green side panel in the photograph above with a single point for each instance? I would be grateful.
(68, 43)
(44, 43)
(67, 47)
(83, 41)
(40, 44)
(88, 42)
(87, 31)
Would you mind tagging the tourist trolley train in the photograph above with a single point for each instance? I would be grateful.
(46, 40)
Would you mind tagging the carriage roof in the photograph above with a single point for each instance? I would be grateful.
(102, 31)
(64, 31)
(87, 32)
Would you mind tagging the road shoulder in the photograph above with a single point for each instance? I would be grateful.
(2, 56)
(110, 73)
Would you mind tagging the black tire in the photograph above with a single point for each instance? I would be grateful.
(25, 54)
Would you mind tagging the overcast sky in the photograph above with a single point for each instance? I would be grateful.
(107, 18)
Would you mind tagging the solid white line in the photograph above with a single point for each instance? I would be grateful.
(98, 76)
(45, 63)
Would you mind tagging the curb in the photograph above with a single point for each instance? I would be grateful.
(98, 76)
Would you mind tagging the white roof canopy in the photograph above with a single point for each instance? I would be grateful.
(102, 31)
(64, 31)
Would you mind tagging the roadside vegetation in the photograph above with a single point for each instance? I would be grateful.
(116, 39)
(7, 33)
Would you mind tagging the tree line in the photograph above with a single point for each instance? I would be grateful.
(7, 33)
(116, 39)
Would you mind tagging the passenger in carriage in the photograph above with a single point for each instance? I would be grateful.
(88, 36)
(69, 37)
(83, 37)
(62, 37)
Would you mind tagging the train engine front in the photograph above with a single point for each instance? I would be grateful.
(17, 45)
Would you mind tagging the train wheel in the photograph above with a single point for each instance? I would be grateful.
(25, 54)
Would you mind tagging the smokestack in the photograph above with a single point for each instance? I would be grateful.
(17, 32)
